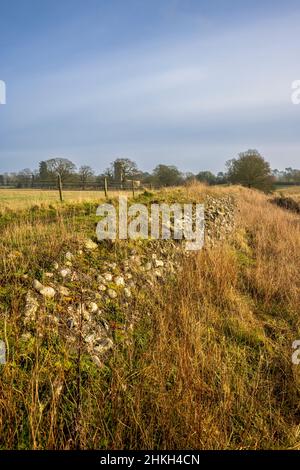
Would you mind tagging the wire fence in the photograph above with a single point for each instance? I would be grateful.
(106, 186)
(110, 186)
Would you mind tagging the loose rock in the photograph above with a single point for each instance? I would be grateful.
(47, 292)
(158, 263)
(112, 293)
(37, 285)
(65, 272)
(93, 307)
(127, 292)
(31, 307)
(69, 256)
(148, 266)
(119, 281)
(90, 245)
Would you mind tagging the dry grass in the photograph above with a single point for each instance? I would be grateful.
(209, 366)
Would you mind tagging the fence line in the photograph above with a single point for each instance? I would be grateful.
(104, 186)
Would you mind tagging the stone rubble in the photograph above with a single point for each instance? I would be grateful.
(85, 303)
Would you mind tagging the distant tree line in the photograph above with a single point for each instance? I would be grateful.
(120, 172)
(46, 176)
(248, 169)
(287, 176)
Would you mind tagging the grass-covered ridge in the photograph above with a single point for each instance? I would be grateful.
(201, 358)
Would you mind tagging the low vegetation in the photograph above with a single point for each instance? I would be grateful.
(287, 203)
(206, 364)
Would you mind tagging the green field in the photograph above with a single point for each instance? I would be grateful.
(290, 191)
(25, 198)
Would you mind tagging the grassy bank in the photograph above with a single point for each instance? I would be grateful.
(207, 364)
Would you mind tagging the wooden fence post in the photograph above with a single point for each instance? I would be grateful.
(132, 187)
(60, 188)
(105, 187)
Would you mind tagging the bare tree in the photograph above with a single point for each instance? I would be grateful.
(61, 167)
(85, 174)
(121, 169)
(25, 178)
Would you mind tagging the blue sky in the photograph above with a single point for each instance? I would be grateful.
(182, 82)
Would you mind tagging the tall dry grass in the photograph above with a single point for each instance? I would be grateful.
(218, 373)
